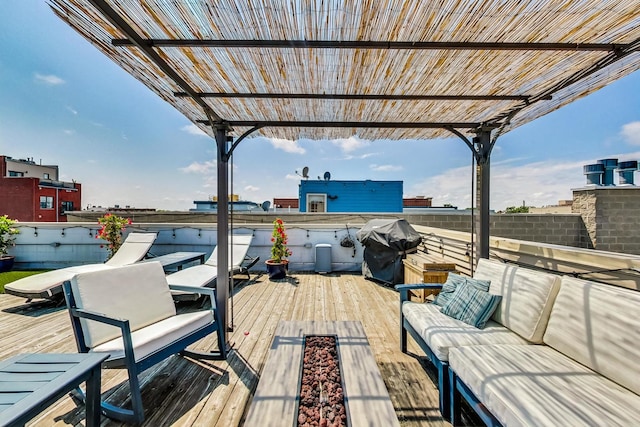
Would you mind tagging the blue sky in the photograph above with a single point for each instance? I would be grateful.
(65, 103)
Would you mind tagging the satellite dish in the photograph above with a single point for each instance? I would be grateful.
(327, 176)
(305, 172)
(265, 205)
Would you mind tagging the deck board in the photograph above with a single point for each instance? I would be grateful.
(184, 392)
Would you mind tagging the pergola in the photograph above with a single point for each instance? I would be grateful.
(381, 69)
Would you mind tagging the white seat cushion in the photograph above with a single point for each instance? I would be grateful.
(44, 282)
(198, 275)
(158, 335)
(599, 326)
(537, 386)
(441, 332)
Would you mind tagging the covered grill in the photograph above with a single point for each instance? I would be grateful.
(386, 243)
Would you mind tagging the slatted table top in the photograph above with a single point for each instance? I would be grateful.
(367, 398)
(177, 259)
(31, 382)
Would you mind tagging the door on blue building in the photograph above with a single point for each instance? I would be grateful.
(316, 202)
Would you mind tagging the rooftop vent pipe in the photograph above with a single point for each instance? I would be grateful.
(609, 166)
(594, 173)
(625, 172)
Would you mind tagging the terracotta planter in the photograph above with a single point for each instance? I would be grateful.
(6, 263)
(277, 270)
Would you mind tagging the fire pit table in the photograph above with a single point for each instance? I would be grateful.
(278, 395)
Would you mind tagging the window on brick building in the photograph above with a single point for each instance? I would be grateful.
(46, 202)
(14, 173)
(66, 207)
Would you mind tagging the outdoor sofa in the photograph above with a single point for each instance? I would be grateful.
(556, 350)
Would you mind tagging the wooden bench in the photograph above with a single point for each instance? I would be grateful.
(275, 400)
(29, 383)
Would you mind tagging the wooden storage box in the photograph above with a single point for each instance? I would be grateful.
(418, 269)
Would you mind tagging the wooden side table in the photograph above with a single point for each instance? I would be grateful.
(29, 383)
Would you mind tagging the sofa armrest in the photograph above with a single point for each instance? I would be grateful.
(404, 289)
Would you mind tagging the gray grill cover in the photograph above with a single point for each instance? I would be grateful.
(386, 242)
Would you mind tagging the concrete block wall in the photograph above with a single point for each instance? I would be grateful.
(559, 229)
(611, 216)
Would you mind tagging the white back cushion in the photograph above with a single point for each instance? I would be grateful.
(599, 326)
(138, 293)
(237, 251)
(527, 297)
(133, 249)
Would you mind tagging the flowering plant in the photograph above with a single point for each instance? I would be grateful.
(7, 234)
(279, 250)
(111, 231)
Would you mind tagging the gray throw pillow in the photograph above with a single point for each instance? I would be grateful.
(471, 305)
(453, 280)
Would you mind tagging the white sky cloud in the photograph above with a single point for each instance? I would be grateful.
(193, 130)
(49, 79)
(386, 168)
(72, 110)
(360, 156)
(537, 184)
(204, 168)
(251, 188)
(350, 144)
(286, 145)
(631, 133)
(292, 177)
(69, 131)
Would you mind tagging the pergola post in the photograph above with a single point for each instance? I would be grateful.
(482, 143)
(222, 286)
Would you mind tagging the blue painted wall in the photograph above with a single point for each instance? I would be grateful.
(354, 196)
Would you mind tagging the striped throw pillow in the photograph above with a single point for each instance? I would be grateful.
(453, 280)
(471, 305)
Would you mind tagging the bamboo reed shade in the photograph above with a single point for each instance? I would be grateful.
(357, 71)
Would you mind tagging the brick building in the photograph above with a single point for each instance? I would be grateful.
(33, 192)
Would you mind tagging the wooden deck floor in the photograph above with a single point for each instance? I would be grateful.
(184, 392)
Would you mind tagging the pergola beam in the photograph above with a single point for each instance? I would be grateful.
(364, 97)
(134, 39)
(377, 125)
(355, 44)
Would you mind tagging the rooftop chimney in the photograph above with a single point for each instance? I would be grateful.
(625, 172)
(609, 166)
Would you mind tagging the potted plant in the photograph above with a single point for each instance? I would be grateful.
(7, 239)
(112, 228)
(278, 263)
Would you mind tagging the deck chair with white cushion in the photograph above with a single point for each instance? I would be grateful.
(128, 312)
(205, 275)
(49, 284)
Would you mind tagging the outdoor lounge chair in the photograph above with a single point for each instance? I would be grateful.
(128, 313)
(205, 275)
(49, 285)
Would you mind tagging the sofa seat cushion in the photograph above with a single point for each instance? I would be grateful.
(441, 332)
(538, 386)
(158, 335)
